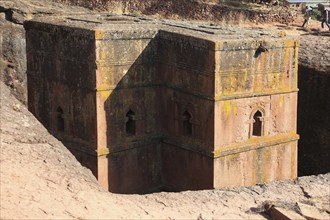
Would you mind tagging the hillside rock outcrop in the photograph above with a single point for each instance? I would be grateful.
(12, 37)
(224, 12)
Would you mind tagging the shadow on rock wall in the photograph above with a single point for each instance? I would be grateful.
(313, 122)
(131, 118)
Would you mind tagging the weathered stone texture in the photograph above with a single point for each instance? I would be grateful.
(166, 106)
(185, 169)
(135, 170)
(244, 69)
(13, 58)
(61, 73)
(13, 13)
(186, 63)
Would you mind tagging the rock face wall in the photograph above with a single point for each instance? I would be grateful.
(69, 106)
(13, 57)
(151, 105)
(314, 121)
(12, 38)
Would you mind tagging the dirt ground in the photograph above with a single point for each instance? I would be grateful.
(40, 179)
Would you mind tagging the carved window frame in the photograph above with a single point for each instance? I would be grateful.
(138, 118)
(252, 121)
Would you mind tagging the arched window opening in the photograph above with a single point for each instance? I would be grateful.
(130, 123)
(187, 126)
(60, 119)
(257, 124)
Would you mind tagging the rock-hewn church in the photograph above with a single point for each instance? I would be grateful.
(153, 105)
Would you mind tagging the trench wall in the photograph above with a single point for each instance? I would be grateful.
(13, 58)
(60, 80)
(313, 121)
(61, 66)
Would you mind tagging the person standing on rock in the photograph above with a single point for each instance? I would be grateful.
(325, 18)
(308, 15)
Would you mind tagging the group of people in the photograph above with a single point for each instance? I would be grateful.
(308, 15)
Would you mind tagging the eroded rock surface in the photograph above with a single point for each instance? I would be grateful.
(315, 51)
(12, 37)
(314, 104)
(224, 12)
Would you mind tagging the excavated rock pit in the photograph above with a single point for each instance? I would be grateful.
(314, 104)
(41, 179)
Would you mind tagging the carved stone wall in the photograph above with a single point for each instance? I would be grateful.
(150, 105)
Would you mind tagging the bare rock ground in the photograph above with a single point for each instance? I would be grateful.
(40, 179)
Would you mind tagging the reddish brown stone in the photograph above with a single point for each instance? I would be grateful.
(150, 105)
